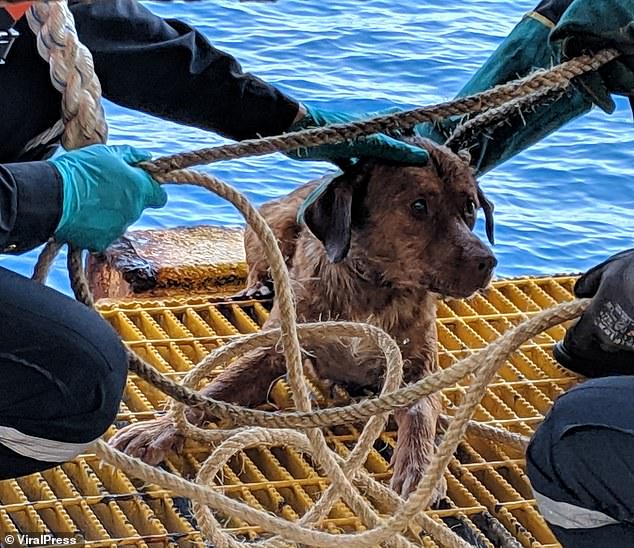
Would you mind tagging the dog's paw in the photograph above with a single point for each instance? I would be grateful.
(259, 290)
(406, 479)
(150, 441)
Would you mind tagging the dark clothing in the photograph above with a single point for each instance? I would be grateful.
(166, 68)
(30, 205)
(161, 67)
(62, 375)
(580, 465)
(63, 368)
(580, 460)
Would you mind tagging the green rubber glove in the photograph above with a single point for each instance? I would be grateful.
(103, 194)
(525, 49)
(374, 146)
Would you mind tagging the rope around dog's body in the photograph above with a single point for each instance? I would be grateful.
(346, 476)
(331, 465)
(184, 392)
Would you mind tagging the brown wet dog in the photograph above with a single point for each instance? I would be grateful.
(384, 242)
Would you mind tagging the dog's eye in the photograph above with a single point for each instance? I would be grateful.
(470, 208)
(419, 208)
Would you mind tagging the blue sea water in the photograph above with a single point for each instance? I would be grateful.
(561, 206)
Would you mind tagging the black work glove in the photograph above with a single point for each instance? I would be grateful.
(589, 26)
(601, 343)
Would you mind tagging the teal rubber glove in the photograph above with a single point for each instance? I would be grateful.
(374, 146)
(103, 194)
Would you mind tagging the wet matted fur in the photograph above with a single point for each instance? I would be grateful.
(378, 245)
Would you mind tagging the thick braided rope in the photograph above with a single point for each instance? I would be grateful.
(72, 73)
(557, 78)
(485, 120)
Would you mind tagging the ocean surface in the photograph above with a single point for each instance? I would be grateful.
(561, 206)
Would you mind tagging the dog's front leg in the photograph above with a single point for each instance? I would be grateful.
(245, 382)
(415, 446)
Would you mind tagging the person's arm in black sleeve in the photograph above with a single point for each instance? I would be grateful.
(166, 68)
(30, 205)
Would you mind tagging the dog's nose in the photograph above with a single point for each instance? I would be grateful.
(486, 263)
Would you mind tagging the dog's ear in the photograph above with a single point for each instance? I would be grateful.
(487, 207)
(328, 212)
(329, 217)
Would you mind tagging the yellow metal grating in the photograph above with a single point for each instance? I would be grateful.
(489, 500)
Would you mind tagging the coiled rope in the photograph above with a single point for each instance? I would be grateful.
(72, 72)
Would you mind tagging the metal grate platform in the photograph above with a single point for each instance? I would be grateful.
(489, 500)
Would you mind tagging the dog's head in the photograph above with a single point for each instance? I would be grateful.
(413, 225)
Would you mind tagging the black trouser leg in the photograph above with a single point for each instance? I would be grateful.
(62, 375)
(581, 465)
